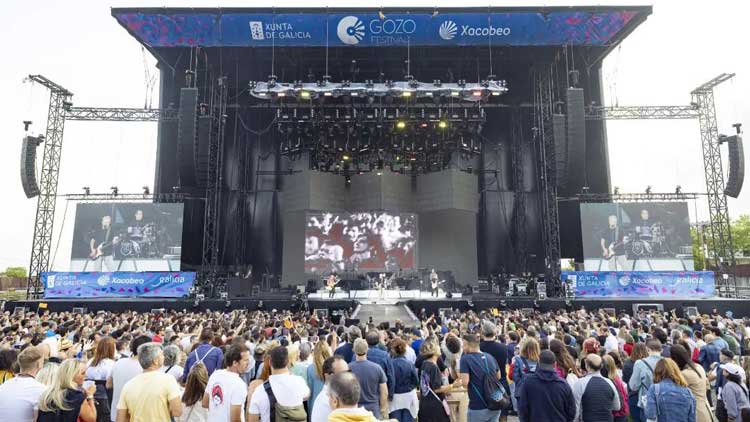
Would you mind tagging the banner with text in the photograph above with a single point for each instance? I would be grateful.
(372, 29)
(117, 284)
(666, 284)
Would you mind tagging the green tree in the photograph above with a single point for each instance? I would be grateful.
(18, 272)
(740, 239)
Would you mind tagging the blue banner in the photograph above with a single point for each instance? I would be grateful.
(372, 30)
(646, 284)
(117, 284)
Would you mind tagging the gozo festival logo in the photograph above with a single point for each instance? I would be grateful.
(351, 30)
(103, 280)
(448, 30)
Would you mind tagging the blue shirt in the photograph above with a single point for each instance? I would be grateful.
(404, 374)
(370, 376)
(478, 365)
(672, 404)
(212, 357)
(383, 359)
(416, 344)
(345, 350)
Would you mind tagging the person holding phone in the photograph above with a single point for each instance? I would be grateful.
(68, 399)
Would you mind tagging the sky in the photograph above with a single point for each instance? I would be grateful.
(77, 44)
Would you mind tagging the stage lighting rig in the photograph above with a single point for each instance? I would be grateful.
(115, 190)
(86, 190)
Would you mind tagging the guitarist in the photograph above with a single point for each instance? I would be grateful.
(613, 245)
(434, 283)
(101, 245)
(331, 283)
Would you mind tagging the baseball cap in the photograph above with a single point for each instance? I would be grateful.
(360, 347)
(732, 368)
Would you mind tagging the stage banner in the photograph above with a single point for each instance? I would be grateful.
(371, 29)
(116, 284)
(634, 284)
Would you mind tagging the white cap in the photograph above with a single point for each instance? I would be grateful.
(733, 369)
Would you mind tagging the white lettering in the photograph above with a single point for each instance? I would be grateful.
(392, 26)
(492, 31)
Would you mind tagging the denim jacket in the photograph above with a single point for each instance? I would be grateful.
(405, 375)
(672, 403)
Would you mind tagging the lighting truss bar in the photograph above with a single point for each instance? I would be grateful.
(119, 114)
(379, 115)
(691, 111)
(402, 89)
(632, 197)
(129, 197)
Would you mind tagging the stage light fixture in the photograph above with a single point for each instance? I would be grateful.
(401, 124)
(678, 190)
(86, 190)
(476, 93)
(305, 95)
(328, 94)
(443, 124)
(115, 190)
(648, 190)
(406, 94)
(345, 157)
(617, 190)
(455, 93)
(146, 191)
(281, 94)
(379, 173)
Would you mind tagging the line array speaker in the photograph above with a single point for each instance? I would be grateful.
(28, 165)
(736, 166)
(575, 171)
(187, 135)
(561, 147)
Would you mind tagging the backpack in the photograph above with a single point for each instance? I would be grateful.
(524, 371)
(493, 392)
(281, 413)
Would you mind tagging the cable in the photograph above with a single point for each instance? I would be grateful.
(59, 236)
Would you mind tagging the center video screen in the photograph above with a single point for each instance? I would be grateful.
(649, 236)
(127, 236)
(363, 241)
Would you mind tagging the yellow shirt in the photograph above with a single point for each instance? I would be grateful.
(5, 376)
(146, 397)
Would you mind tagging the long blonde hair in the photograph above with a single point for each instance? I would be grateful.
(293, 350)
(321, 352)
(53, 398)
(611, 366)
(668, 369)
(529, 349)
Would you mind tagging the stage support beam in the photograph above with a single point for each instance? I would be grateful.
(543, 109)
(50, 172)
(691, 111)
(104, 114)
(721, 234)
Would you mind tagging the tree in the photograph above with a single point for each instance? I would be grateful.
(740, 239)
(16, 272)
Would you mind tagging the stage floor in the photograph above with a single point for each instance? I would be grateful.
(376, 296)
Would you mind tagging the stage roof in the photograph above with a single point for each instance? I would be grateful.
(587, 26)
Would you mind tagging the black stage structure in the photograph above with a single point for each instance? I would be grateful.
(516, 220)
(232, 158)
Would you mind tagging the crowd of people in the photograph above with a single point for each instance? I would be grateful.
(262, 366)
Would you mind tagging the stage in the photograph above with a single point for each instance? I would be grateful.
(376, 296)
(476, 302)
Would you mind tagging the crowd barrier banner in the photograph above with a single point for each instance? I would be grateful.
(630, 284)
(116, 284)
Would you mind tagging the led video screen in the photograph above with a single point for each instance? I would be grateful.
(127, 236)
(363, 241)
(650, 236)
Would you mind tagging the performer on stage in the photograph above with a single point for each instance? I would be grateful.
(381, 285)
(434, 283)
(331, 283)
(613, 245)
(102, 246)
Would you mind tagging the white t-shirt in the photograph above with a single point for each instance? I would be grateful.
(175, 371)
(53, 342)
(321, 408)
(18, 399)
(101, 371)
(225, 389)
(122, 371)
(290, 390)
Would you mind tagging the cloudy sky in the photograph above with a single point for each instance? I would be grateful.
(77, 44)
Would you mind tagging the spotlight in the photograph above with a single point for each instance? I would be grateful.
(86, 190)
(648, 190)
(443, 124)
(305, 95)
(617, 190)
(400, 125)
(380, 173)
(115, 190)
(477, 93)
(26, 124)
(678, 190)
(345, 157)
(455, 93)
(281, 94)
(406, 94)
(146, 190)
(328, 94)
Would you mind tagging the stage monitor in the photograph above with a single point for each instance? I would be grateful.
(127, 236)
(363, 241)
(647, 236)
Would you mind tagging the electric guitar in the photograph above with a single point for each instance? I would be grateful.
(97, 252)
(332, 282)
(436, 283)
(609, 253)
